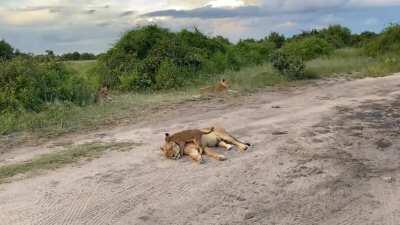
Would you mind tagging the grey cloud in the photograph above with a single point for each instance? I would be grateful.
(90, 11)
(210, 12)
(104, 24)
(127, 13)
(40, 8)
(268, 8)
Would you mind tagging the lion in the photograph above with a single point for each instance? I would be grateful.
(220, 87)
(102, 94)
(195, 143)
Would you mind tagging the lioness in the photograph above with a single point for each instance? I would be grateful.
(197, 142)
(102, 94)
(221, 86)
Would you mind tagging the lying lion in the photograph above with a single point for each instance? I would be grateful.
(197, 142)
(221, 86)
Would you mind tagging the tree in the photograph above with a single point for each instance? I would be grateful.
(6, 51)
(76, 56)
(276, 38)
(50, 53)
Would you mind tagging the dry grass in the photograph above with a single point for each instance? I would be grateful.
(57, 160)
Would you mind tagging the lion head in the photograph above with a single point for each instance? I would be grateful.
(170, 149)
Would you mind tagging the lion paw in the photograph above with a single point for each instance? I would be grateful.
(221, 158)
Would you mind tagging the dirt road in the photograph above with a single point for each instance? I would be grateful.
(338, 164)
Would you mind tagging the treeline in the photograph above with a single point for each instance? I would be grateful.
(154, 58)
(8, 52)
(73, 56)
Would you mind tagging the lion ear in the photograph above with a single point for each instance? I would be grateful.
(167, 136)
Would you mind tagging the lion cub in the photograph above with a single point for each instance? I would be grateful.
(220, 87)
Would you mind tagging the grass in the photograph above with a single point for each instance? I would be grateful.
(353, 63)
(253, 78)
(59, 119)
(81, 67)
(57, 160)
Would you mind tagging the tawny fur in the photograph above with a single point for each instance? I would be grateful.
(197, 142)
(187, 136)
(221, 86)
(102, 94)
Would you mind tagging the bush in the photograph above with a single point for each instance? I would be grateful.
(251, 52)
(6, 51)
(169, 76)
(387, 42)
(337, 36)
(360, 40)
(308, 48)
(152, 58)
(277, 39)
(28, 84)
(291, 66)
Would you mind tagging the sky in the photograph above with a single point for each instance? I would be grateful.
(94, 25)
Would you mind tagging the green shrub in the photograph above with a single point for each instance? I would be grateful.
(28, 84)
(291, 66)
(6, 51)
(308, 48)
(387, 42)
(361, 40)
(336, 35)
(276, 38)
(144, 58)
(169, 76)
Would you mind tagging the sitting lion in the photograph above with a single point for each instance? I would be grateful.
(220, 87)
(102, 94)
(195, 143)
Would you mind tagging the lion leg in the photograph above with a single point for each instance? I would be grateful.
(225, 145)
(224, 136)
(193, 151)
(213, 154)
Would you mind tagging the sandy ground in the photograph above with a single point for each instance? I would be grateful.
(338, 164)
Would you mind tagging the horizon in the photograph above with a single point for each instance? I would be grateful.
(86, 26)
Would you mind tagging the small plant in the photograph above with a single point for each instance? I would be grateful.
(291, 66)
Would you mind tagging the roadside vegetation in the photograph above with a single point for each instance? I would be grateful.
(59, 159)
(151, 66)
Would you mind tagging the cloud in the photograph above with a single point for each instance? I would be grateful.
(374, 2)
(237, 8)
(210, 12)
(127, 13)
(92, 25)
(263, 9)
(90, 11)
(26, 17)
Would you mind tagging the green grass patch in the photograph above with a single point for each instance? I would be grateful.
(61, 118)
(57, 160)
(351, 62)
(341, 61)
(250, 78)
(82, 67)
